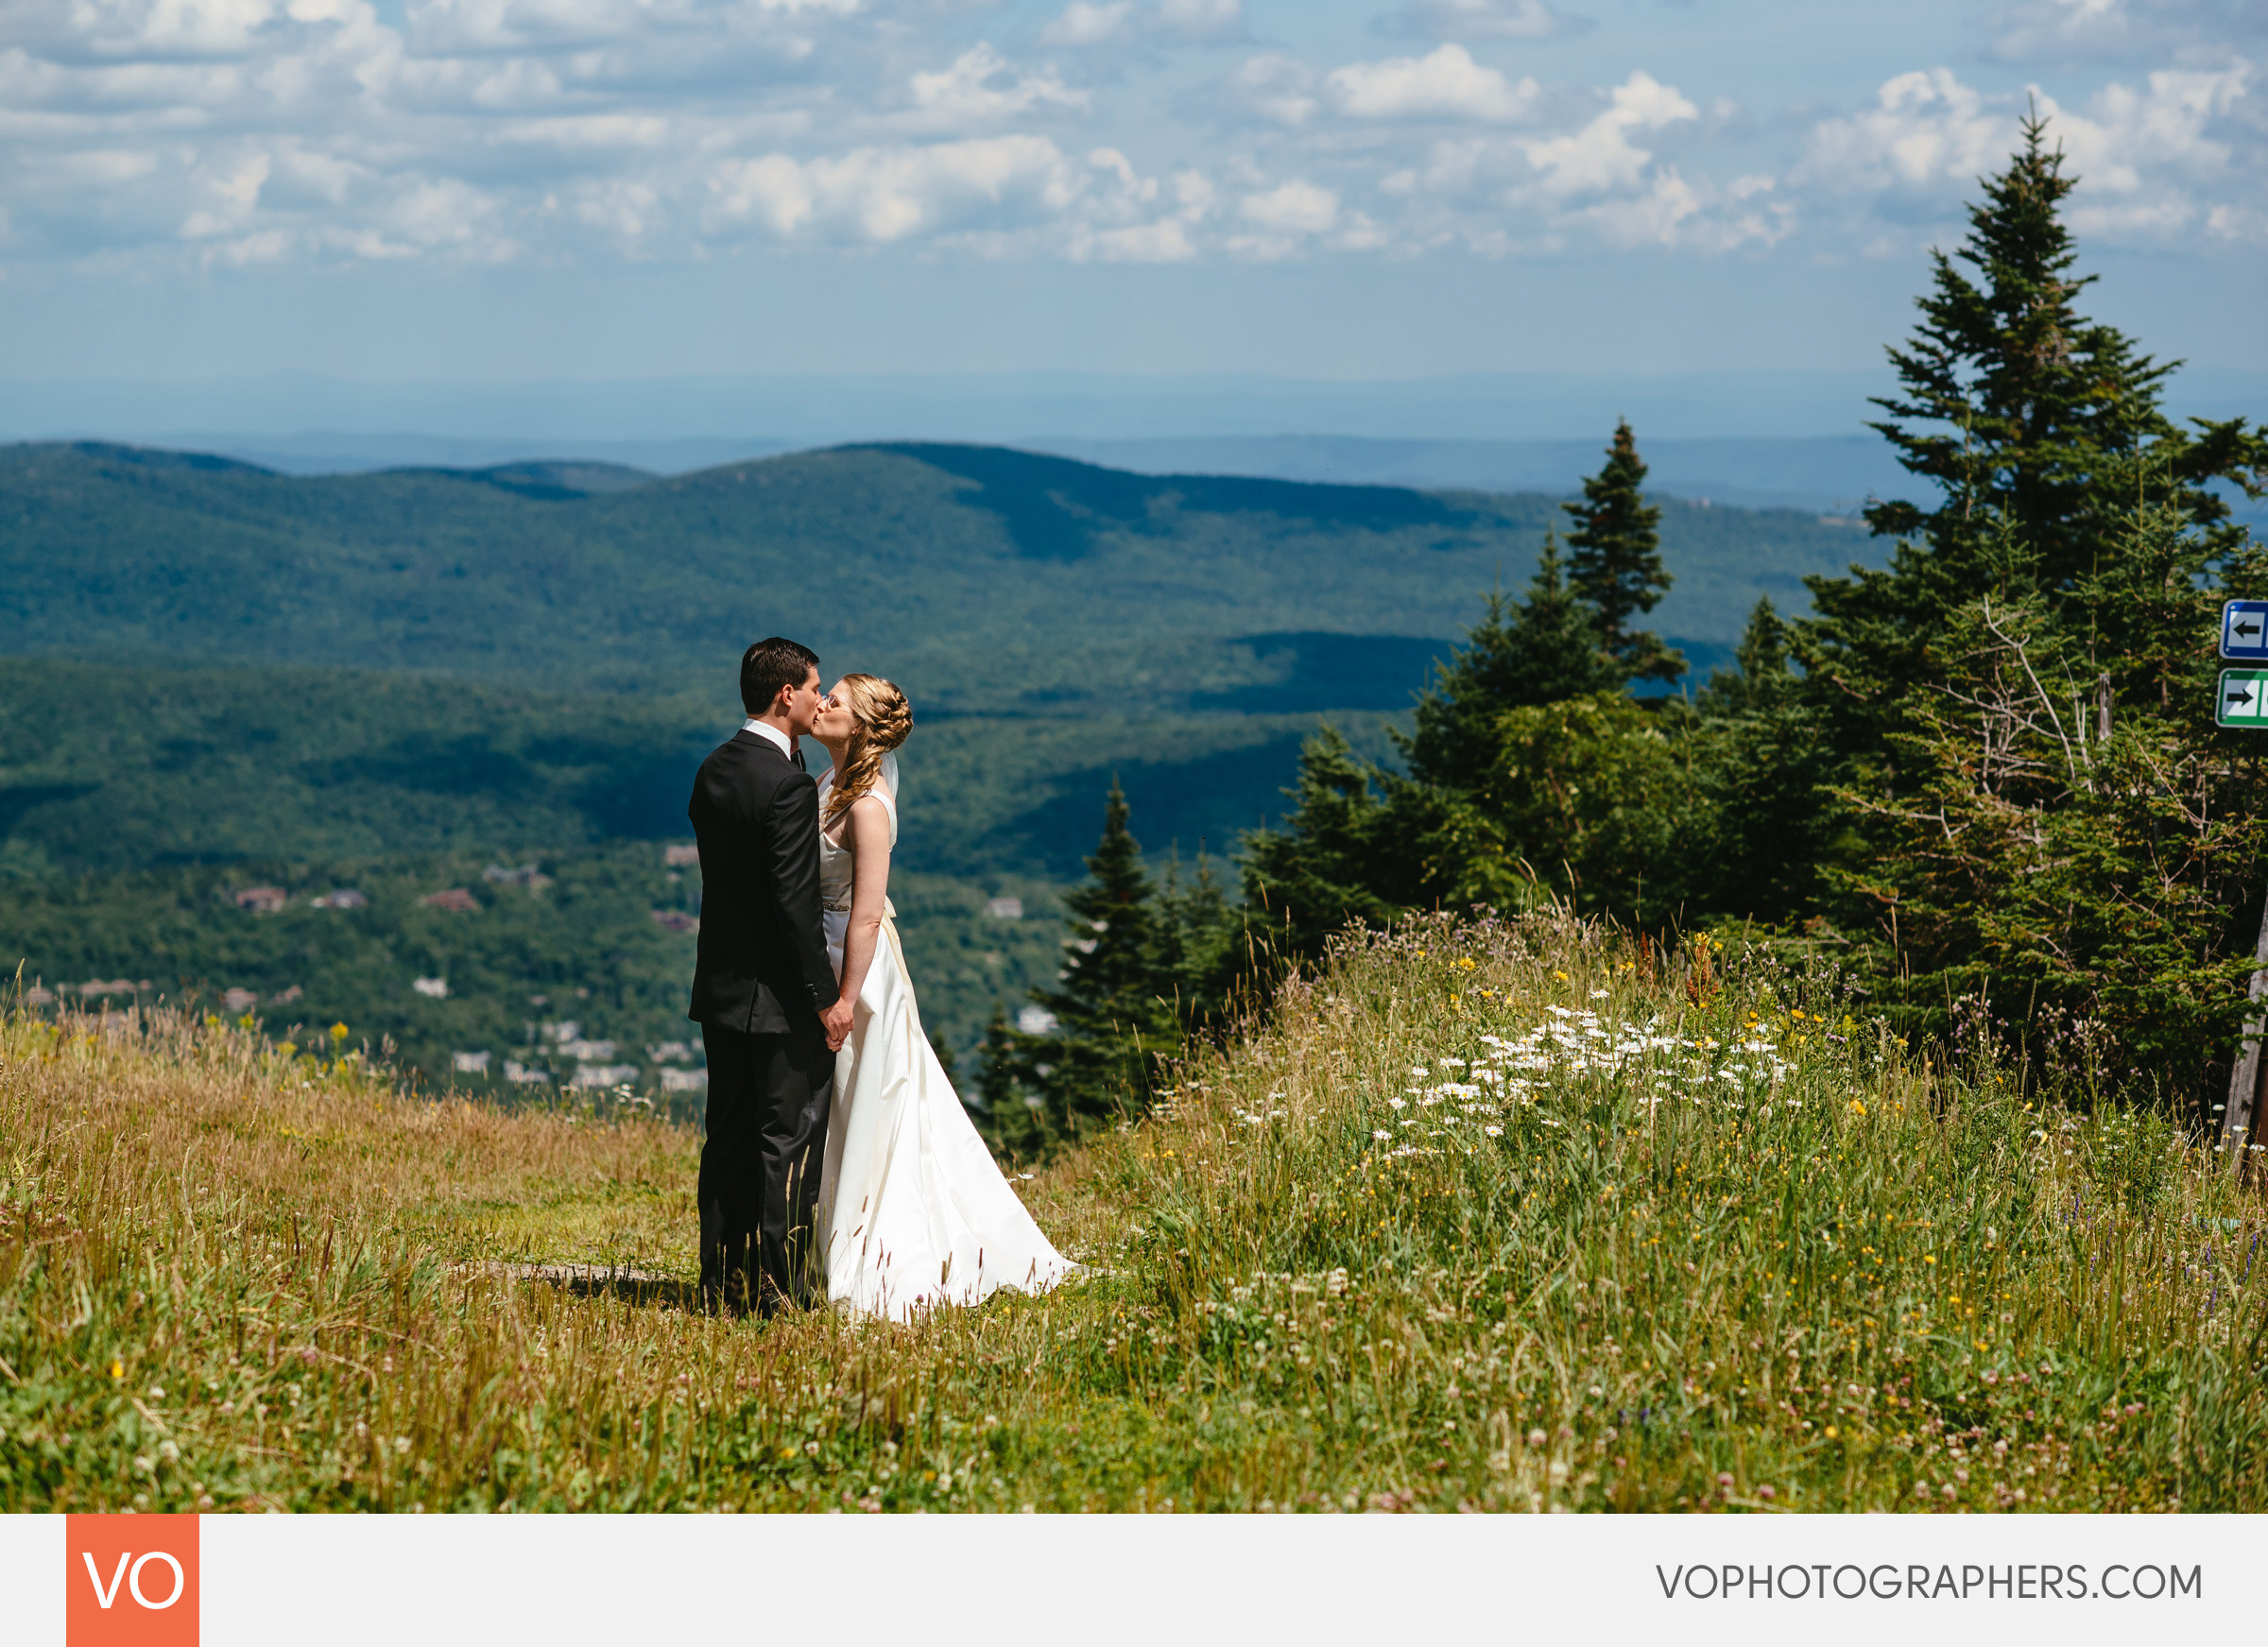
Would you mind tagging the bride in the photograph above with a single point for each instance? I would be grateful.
(913, 1211)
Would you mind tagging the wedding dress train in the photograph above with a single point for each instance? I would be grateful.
(914, 1210)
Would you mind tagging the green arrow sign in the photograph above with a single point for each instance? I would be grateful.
(2243, 700)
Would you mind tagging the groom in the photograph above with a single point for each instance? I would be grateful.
(764, 993)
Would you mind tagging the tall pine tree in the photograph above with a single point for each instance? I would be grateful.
(1192, 969)
(1531, 773)
(1617, 561)
(1758, 757)
(1334, 859)
(2023, 797)
(1112, 1029)
(1544, 651)
(2015, 408)
(1013, 1125)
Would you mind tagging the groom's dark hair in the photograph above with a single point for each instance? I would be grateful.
(767, 666)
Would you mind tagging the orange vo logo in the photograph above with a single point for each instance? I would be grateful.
(130, 1581)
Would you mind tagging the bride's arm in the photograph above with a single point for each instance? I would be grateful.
(869, 842)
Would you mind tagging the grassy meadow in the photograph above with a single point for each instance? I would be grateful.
(1487, 1216)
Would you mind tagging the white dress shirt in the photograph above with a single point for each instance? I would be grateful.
(765, 729)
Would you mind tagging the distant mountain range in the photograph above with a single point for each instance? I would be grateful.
(1755, 437)
(1834, 474)
(988, 580)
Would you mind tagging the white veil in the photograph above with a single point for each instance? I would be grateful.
(889, 778)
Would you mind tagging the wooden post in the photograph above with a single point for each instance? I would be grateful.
(2245, 1083)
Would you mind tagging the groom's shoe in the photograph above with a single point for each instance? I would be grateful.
(712, 1259)
(728, 1294)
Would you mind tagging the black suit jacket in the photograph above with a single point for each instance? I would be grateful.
(762, 954)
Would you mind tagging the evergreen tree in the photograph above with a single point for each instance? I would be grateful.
(1334, 860)
(2015, 407)
(1542, 651)
(1617, 563)
(2073, 836)
(1759, 679)
(1758, 758)
(1531, 772)
(1013, 1125)
(1191, 969)
(1111, 1027)
(2023, 799)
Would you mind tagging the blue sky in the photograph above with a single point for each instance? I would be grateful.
(508, 190)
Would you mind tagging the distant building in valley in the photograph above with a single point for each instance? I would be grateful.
(1036, 1020)
(670, 1052)
(685, 1080)
(566, 1029)
(98, 986)
(239, 1000)
(263, 900)
(604, 1075)
(290, 995)
(675, 921)
(35, 996)
(518, 1074)
(432, 988)
(456, 897)
(345, 897)
(682, 855)
(526, 875)
(588, 1052)
(470, 1063)
(1005, 908)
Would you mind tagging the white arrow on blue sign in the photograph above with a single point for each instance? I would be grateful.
(2244, 629)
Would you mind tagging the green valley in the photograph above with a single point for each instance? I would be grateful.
(213, 678)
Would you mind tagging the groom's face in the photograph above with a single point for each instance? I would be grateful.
(804, 705)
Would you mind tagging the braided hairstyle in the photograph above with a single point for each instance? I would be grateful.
(883, 719)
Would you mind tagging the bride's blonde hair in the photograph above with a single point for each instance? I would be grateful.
(883, 720)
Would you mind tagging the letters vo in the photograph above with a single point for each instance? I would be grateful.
(130, 1581)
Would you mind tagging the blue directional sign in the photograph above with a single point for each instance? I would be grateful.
(2244, 629)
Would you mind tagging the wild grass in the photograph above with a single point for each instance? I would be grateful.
(1721, 1243)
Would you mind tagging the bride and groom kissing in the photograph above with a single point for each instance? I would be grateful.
(839, 1166)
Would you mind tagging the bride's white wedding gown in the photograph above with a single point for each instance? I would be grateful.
(915, 1212)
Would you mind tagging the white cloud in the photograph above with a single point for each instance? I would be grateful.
(1445, 84)
(1274, 86)
(1295, 207)
(2125, 134)
(1164, 241)
(981, 88)
(2127, 32)
(1601, 155)
(1127, 25)
(882, 195)
(1925, 127)
(179, 133)
(1671, 211)
(1483, 20)
(1086, 24)
(2150, 159)
(1202, 20)
(1173, 235)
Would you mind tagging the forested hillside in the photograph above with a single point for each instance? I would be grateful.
(137, 805)
(982, 580)
(227, 679)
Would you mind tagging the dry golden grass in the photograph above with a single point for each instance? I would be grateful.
(1683, 1273)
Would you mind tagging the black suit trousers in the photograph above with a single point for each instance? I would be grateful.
(759, 1185)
